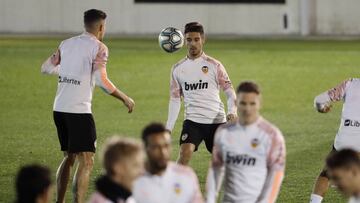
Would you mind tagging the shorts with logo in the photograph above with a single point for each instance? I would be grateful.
(76, 131)
(195, 133)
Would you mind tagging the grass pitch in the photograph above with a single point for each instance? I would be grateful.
(290, 72)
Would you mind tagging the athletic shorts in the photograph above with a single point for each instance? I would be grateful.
(76, 131)
(195, 133)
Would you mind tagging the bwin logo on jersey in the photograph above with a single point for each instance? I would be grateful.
(240, 159)
(349, 122)
(195, 86)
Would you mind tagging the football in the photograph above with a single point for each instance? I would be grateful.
(171, 39)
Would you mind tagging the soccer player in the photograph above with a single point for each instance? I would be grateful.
(349, 130)
(344, 171)
(250, 152)
(123, 162)
(33, 185)
(164, 181)
(198, 78)
(80, 63)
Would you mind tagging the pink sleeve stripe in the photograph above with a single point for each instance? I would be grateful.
(337, 93)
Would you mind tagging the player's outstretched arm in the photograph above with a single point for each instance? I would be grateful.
(102, 80)
(215, 173)
(322, 102)
(276, 170)
(51, 65)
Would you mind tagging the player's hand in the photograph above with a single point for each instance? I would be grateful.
(231, 117)
(129, 103)
(324, 108)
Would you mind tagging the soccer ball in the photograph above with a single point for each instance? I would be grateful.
(171, 39)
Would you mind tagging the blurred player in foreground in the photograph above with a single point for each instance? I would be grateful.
(164, 181)
(123, 162)
(349, 130)
(250, 152)
(198, 78)
(34, 185)
(80, 63)
(344, 171)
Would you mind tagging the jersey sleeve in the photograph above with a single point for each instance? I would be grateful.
(197, 196)
(338, 93)
(223, 77)
(216, 171)
(276, 169)
(101, 57)
(99, 70)
(175, 88)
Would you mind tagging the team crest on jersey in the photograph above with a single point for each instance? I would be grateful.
(205, 69)
(184, 136)
(177, 188)
(255, 142)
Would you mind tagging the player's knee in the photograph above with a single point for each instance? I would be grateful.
(70, 159)
(185, 153)
(86, 159)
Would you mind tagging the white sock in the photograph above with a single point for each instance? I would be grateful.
(314, 198)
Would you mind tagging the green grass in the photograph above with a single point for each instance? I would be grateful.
(290, 73)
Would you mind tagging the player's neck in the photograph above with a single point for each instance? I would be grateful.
(357, 189)
(122, 181)
(193, 57)
(247, 122)
(94, 33)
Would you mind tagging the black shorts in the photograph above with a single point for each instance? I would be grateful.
(195, 133)
(76, 132)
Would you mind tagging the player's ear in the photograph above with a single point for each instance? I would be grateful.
(203, 38)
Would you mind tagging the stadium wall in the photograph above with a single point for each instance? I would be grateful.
(127, 17)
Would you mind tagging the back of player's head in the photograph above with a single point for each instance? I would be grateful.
(118, 149)
(248, 87)
(151, 129)
(93, 16)
(194, 27)
(343, 159)
(31, 182)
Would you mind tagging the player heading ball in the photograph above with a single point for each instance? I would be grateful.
(198, 78)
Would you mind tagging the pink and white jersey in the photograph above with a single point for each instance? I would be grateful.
(348, 135)
(252, 160)
(199, 82)
(178, 184)
(78, 58)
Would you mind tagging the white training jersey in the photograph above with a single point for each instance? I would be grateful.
(252, 159)
(78, 57)
(199, 82)
(348, 135)
(178, 184)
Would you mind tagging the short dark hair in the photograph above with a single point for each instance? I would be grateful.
(194, 27)
(32, 181)
(342, 159)
(248, 87)
(152, 128)
(92, 16)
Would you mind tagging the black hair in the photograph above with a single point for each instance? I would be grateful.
(151, 129)
(194, 27)
(92, 16)
(32, 181)
(248, 87)
(342, 159)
